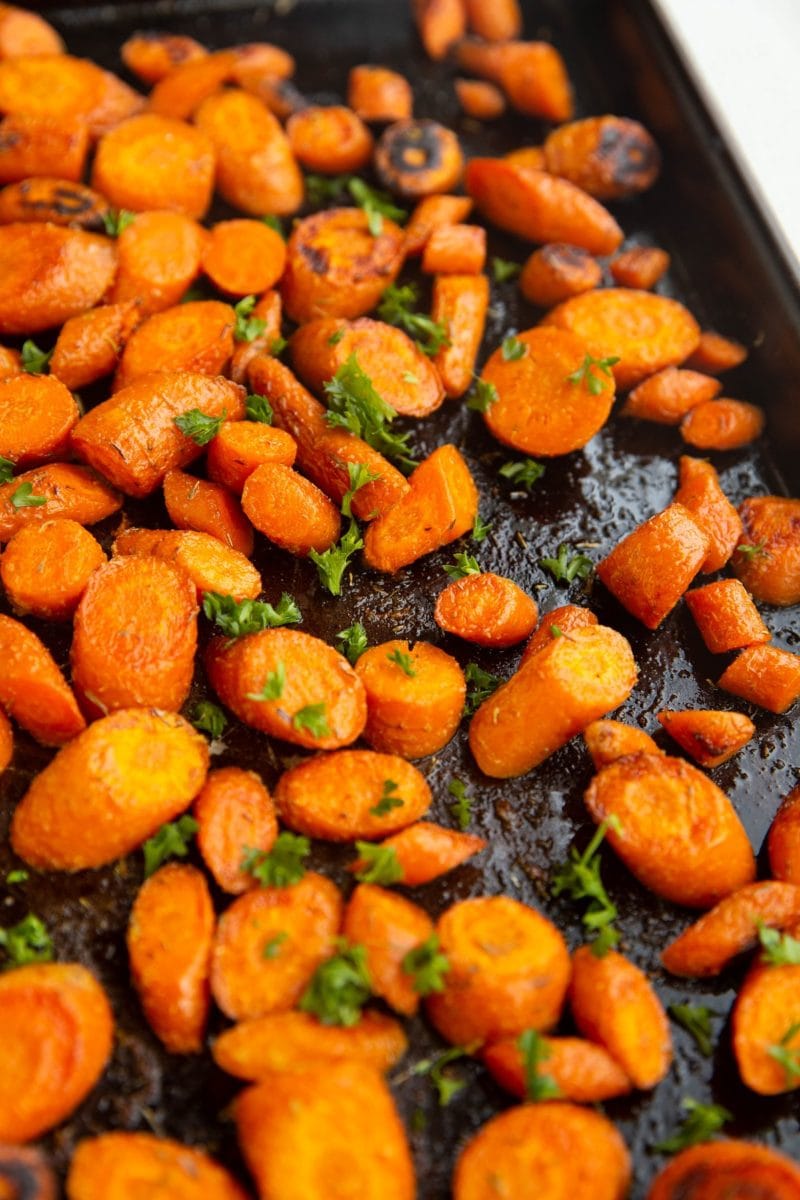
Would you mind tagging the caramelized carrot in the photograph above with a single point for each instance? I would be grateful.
(183, 89)
(42, 145)
(179, 170)
(37, 415)
(24, 1171)
(764, 1019)
(211, 566)
(582, 1072)
(479, 99)
(196, 337)
(667, 396)
(557, 271)
(441, 23)
(169, 939)
(722, 424)
(764, 675)
(455, 250)
(6, 741)
(532, 74)
(267, 308)
(431, 213)
(68, 491)
(159, 257)
(49, 274)
(418, 157)
(10, 362)
(563, 619)
(61, 87)
(56, 1029)
(608, 740)
(709, 737)
(415, 697)
(261, 59)
(609, 157)
(295, 410)
(390, 928)
(499, 22)
(555, 694)
(122, 1164)
(726, 616)
(715, 353)
(677, 832)
(487, 609)
(460, 304)
(23, 32)
(329, 139)
(196, 504)
(783, 842)
(242, 446)
(242, 257)
(424, 851)
(700, 491)
(151, 56)
(46, 567)
(640, 267)
(89, 346)
(767, 559)
(721, 1170)
(509, 971)
(246, 982)
(290, 510)
(378, 94)
(32, 689)
(528, 156)
(234, 811)
(352, 794)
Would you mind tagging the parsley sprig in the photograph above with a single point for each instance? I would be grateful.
(388, 800)
(585, 373)
(788, 1056)
(171, 841)
(778, 949)
(34, 360)
(353, 642)
(446, 1084)
(355, 404)
(567, 565)
(580, 879)
(700, 1124)
(750, 552)
(196, 425)
(398, 307)
(377, 864)
(312, 717)
(463, 564)
(404, 661)
(461, 805)
(427, 966)
(484, 395)
(480, 685)
(258, 408)
(273, 687)
(523, 474)
(237, 618)
(117, 220)
(480, 528)
(696, 1020)
(340, 987)
(534, 1051)
(280, 866)
(6, 470)
(512, 349)
(503, 269)
(209, 718)
(359, 475)
(25, 497)
(247, 327)
(26, 942)
(375, 204)
(331, 564)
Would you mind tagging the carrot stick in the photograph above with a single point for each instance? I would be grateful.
(460, 303)
(700, 491)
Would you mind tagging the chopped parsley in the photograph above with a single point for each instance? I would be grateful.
(353, 641)
(462, 565)
(580, 879)
(376, 205)
(461, 805)
(171, 841)
(272, 948)
(480, 528)
(312, 717)
(6, 470)
(237, 618)
(24, 497)
(701, 1122)
(247, 327)
(398, 307)
(209, 718)
(274, 223)
(427, 966)
(484, 395)
(788, 1056)
(378, 864)
(199, 427)
(280, 866)
(778, 949)
(359, 475)
(354, 404)
(534, 1050)
(273, 687)
(696, 1020)
(524, 474)
(34, 360)
(585, 373)
(404, 661)
(258, 408)
(340, 987)
(503, 270)
(447, 1085)
(512, 349)
(567, 565)
(26, 942)
(480, 685)
(388, 800)
(117, 220)
(332, 564)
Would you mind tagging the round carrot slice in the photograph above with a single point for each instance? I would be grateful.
(151, 162)
(204, 507)
(32, 689)
(418, 158)
(583, 1072)
(290, 510)
(607, 156)
(415, 697)
(299, 925)
(234, 811)
(49, 274)
(68, 490)
(319, 700)
(56, 1029)
(352, 794)
(159, 258)
(46, 568)
(194, 337)
(37, 414)
(211, 566)
(330, 139)
(389, 927)
(764, 1019)
(722, 424)
(153, 55)
(548, 401)
(509, 971)
(121, 1166)
(486, 609)
(771, 569)
(59, 86)
(24, 32)
(645, 332)
(568, 1150)
(241, 446)
(557, 271)
(243, 257)
(728, 1170)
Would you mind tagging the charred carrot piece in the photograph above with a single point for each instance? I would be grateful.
(390, 928)
(37, 415)
(378, 94)
(441, 23)
(486, 609)
(715, 354)
(608, 740)
(783, 841)
(196, 504)
(418, 157)
(46, 567)
(159, 258)
(89, 346)
(329, 139)
(233, 810)
(424, 851)
(557, 271)
(455, 250)
(726, 616)
(431, 213)
(415, 697)
(767, 559)
(667, 396)
(180, 166)
(151, 56)
(25, 1170)
(49, 274)
(700, 491)
(764, 675)
(210, 565)
(261, 58)
(55, 490)
(722, 424)
(241, 447)
(583, 1072)
(242, 257)
(42, 145)
(708, 736)
(553, 624)
(460, 304)
(122, 1163)
(183, 89)
(609, 157)
(640, 267)
(763, 1021)
(532, 74)
(480, 99)
(32, 689)
(708, 1171)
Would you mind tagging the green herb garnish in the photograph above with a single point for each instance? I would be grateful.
(461, 806)
(237, 618)
(359, 475)
(312, 717)
(273, 687)
(26, 942)
(258, 408)
(280, 866)
(378, 864)
(353, 642)
(355, 405)
(388, 800)
(404, 661)
(696, 1020)
(398, 307)
(701, 1122)
(585, 373)
(534, 1051)
(484, 395)
(340, 987)
(34, 360)
(580, 878)
(524, 474)
(512, 349)
(197, 426)
(247, 327)
(331, 564)
(480, 685)
(171, 841)
(117, 220)
(503, 270)
(209, 718)
(427, 966)
(462, 565)
(24, 497)
(567, 565)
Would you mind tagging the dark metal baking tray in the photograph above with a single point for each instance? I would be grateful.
(727, 267)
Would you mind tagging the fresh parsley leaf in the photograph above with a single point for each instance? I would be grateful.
(209, 718)
(280, 866)
(332, 564)
(398, 307)
(480, 685)
(427, 966)
(701, 1122)
(580, 878)
(353, 642)
(247, 327)
(585, 373)
(752, 551)
(197, 426)
(788, 1056)
(378, 864)
(312, 717)
(778, 949)
(274, 223)
(375, 204)
(388, 800)
(556, 631)
(237, 618)
(354, 404)
(336, 337)
(340, 987)
(567, 565)
(258, 408)
(409, 377)
(6, 470)
(24, 497)
(277, 346)
(273, 685)
(272, 948)
(447, 1085)
(461, 806)
(116, 220)
(323, 189)
(696, 1020)
(512, 349)
(462, 565)
(503, 270)
(19, 875)
(34, 360)
(480, 528)
(524, 474)
(403, 661)
(26, 942)
(360, 475)
(171, 841)
(534, 1051)
(418, 1120)
(484, 395)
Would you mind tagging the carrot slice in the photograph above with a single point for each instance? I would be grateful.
(765, 1017)
(609, 157)
(352, 794)
(56, 1029)
(204, 507)
(727, 1170)
(390, 928)
(418, 157)
(415, 697)
(764, 675)
(151, 162)
(59, 86)
(701, 493)
(329, 138)
(37, 414)
(242, 257)
(532, 74)
(30, 145)
(122, 1165)
(583, 1072)
(183, 89)
(298, 924)
(46, 568)
(159, 258)
(783, 841)
(767, 559)
(235, 813)
(726, 616)
(710, 737)
(562, 620)
(290, 510)
(608, 740)
(6, 741)
(109, 790)
(89, 346)
(153, 55)
(479, 99)
(677, 832)
(24, 1171)
(378, 94)
(569, 1151)
(640, 267)
(69, 491)
(331, 456)
(667, 396)
(557, 271)
(10, 362)
(460, 304)
(722, 424)
(440, 24)
(242, 446)
(53, 199)
(196, 337)
(424, 851)
(211, 566)
(49, 274)
(731, 928)
(455, 250)
(24, 32)
(169, 938)
(509, 971)
(32, 689)
(430, 214)
(715, 353)
(487, 609)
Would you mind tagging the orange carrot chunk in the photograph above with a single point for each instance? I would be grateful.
(46, 567)
(764, 675)
(486, 609)
(89, 346)
(53, 200)
(528, 156)
(378, 94)
(726, 616)
(767, 559)
(204, 507)
(290, 510)
(583, 1072)
(431, 213)
(242, 257)
(609, 157)
(532, 74)
(49, 274)
(37, 415)
(425, 851)
(267, 308)
(455, 250)
(234, 811)
(390, 928)
(159, 258)
(608, 740)
(640, 267)
(61, 87)
(667, 396)
(722, 424)
(196, 337)
(24, 32)
(151, 56)
(6, 741)
(479, 99)
(715, 353)
(764, 1019)
(710, 737)
(32, 689)
(122, 1164)
(783, 841)
(441, 23)
(55, 490)
(727, 1170)
(242, 446)
(154, 162)
(211, 566)
(498, 23)
(329, 139)
(183, 89)
(42, 145)
(701, 493)
(460, 304)
(418, 157)
(557, 621)
(557, 271)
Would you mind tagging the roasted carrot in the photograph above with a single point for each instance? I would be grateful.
(32, 689)
(56, 1029)
(498, 23)
(169, 939)
(424, 851)
(159, 257)
(242, 257)
(109, 437)
(256, 170)
(460, 304)
(645, 332)
(555, 694)
(764, 675)
(378, 94)
(651, 568)
(261, 58)
(294, 409)
(61, 87)
(431, 213)
(135, 636)
(722, 424)
(540, 207)
(509, 971)
(319, 700)
(675, 830)
(329, 139)
(487, 609)
(764, 1024)
(196, 337)
(89, 346)
(557, 271)
(528, 156)
(727, 1170)
(290, 510)
(455, 250)
(153, 55)
(49, 274)
(557, 621)
(242, 446)
(700, 491)
(280, 96)
(336, 267)
(569, 1151)
(24, 1171)
(640, 267)
(267, 308)
(415, 697)
(67, 491)
(211, 566)
(303, 1134)
(549, 402)
(234, 810)
(440, 24)
(122, 1164)
(726, 616)
(708, 736)
(715, 353)
(608, 740)
(298, 923)
(418, 158)
(609, 157)
(582, 1072)
(352, 794)
(196, 504)
(282, 1041)
(37, 415)
(767, 559)
(6, 741)
(667, 396)
(390, 928)
(46, 567)
(23, 32)
(731, 928)
(479, 99)
(183, 89)
(10, 362)
(41, 145)
(179, 170)
(532, 74)
(783, 842)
